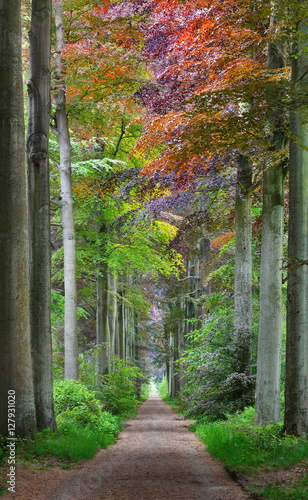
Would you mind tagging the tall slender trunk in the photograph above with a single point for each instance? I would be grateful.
(39, 210)
(121, 332)
(66, 204)
(112, 312)
(243, 263)
(270, 324)
(296, 388)
(102, 328)
(15, 353)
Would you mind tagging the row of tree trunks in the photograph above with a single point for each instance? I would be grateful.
(189, 314)
(116, 322)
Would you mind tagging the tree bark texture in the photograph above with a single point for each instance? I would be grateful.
(296, 387)
(270, 324)
(243, 263)
(69, 244)
(102, 328)
(39, 210)
(112, 313)
(15, 354)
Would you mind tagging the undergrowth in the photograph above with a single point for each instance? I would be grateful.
(244, 447)
(251, 450)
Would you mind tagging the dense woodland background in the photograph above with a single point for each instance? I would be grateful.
(166, 152)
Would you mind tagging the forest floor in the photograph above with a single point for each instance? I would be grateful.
(155, 457)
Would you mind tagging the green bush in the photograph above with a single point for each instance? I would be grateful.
(74, 403)
(145, 391)
(118, 388)
(109, 424)
(163, 389)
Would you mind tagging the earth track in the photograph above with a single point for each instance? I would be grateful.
(155, 457)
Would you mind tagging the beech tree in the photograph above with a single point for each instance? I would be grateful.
(243, 265)
(15, 355)
(39, 209)
(296, 387)
(61, 131)
(270, 322)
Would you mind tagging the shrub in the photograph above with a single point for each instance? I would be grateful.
(163, 389)
(118, 388)
(74, 401)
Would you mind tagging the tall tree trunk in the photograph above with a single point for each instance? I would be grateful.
(270, 324)
(296, 388)
(112, 312)
(102, 328)
(181, 345)
(15, 354)
(243, 263)
(39, 210)
(121, 332)
(66, 204)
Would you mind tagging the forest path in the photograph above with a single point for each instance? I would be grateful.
(155, 457)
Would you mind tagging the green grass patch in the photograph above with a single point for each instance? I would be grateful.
(298, 491)
(254, 450)
(73, 442)
(242, 446)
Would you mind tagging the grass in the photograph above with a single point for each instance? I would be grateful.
(72, 443)
(287, 491)
(251, 450)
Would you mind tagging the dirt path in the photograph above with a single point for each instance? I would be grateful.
(155, 457)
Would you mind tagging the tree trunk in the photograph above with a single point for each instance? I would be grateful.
(270, 324)
(102, 329)
(39, 210)
(66, 205)
(296, 389)
(243, 262)
(15, 354)
(121, 326)
(112, 312)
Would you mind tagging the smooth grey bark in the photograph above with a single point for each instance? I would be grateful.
(39, 210)
(270, 324)
(102, 328)
(243, 263)
(181, 345)
(15, 354)
(121, 332)
(204, 255)
(112, 313)
(61, 131)
(296, 386)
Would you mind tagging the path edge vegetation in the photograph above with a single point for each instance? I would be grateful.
(87, 420)
(256, 457)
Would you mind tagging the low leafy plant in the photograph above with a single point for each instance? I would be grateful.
(163, 389)
(75, 403)
(145, 391)
(118, 388)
